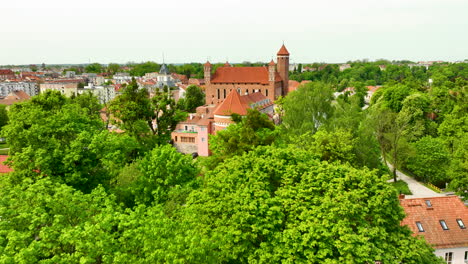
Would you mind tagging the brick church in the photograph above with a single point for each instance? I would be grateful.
(271, 81)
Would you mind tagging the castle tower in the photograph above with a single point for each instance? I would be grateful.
(271, 71)
(283, 68)
(207, 73)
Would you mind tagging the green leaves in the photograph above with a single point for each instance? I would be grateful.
(307, 108)
(279, 205)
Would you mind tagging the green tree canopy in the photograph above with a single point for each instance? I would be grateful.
(281, 205)
(53, 136)
(149, 120)
(94, 68)
(194, 97)
(307, 108)
(255, 129)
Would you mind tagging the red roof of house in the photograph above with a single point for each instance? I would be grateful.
(293, 85)
(4, 168)
(6, 72)
(243, 75)
(283, 51)
(448, 209)
(14, 97)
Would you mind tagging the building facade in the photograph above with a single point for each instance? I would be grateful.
(271, 81)
(443, 222)
(31, 88)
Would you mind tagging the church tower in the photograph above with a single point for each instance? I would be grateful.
(283, 68)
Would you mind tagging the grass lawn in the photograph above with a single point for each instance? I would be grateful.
(402, 187)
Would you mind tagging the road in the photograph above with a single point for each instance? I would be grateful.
(418, 190)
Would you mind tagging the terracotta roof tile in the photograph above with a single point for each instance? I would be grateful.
(232, 104)
(283, 51)
(449, 209)
(242, 75)
(4, 168)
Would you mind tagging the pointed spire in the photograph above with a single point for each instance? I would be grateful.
(272, 63)
(207, 63)
(227, 64)
(283, 51)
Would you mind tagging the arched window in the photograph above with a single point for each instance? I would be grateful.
(266, 92)
(224, 93)
(239, 90)
(218, 93)
(247, 91)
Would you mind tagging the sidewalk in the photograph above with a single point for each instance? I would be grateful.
(418, 190)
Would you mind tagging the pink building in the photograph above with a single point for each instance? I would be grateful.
(192, 135)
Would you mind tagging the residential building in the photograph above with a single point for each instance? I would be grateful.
(31, 88)
(104, 93)
(344, 66)
(122, 77)
(272, 80)
(191, 135)
(443, 222)
(68, 87)
(15, 97)
(6, 74)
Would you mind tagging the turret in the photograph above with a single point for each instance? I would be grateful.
(283, 67)
(271, 71)
(207, 72)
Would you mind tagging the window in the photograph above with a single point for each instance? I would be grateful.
(449, 257)
(428, 203)
(202, 139)
(224, 93)
(187, 139)
(443, 224)
(218, 93)
(466, 256)
(461, 224)
(266, 92)
(420, 227)
(247, 91)
(175, 138)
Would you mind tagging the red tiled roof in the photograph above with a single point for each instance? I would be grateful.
(272, 63)
(207, 63)
(234, 103)
(449, 209)
(283, 51)
(293, 85)
(242, 75)
(14, 97)
(6, 72)
(373, 88)
(4, 168)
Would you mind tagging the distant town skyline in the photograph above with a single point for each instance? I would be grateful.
(336, 31)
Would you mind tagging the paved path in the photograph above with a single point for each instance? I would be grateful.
(418, 190)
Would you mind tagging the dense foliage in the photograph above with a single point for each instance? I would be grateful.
(311, 189)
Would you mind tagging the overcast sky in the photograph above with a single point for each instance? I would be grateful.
(58, 31)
